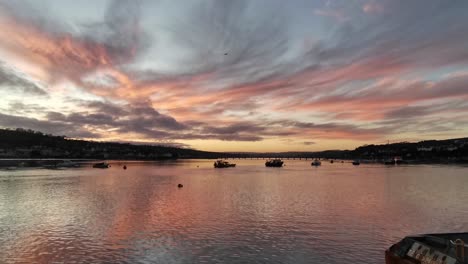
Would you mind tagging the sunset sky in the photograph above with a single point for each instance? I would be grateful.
(224, 75)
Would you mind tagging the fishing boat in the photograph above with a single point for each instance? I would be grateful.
(101, 165)
(274, 163)
(223, 164)
(316, 163)
(448, 248)
(356, 162)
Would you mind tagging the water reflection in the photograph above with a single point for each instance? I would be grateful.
(332, 214)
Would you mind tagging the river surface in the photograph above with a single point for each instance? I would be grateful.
(335, 213)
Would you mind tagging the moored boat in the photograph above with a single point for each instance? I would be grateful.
(223, 164)
(446, 248)
(356, 162)
(274, 163)
(316, 162)
(101, 165)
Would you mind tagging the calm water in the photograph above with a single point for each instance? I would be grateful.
(336, 213)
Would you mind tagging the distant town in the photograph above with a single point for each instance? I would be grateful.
(28, 144)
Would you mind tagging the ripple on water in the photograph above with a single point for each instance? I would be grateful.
(246, 215)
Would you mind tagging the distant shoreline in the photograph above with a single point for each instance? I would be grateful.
(34, 146)
(41, 163)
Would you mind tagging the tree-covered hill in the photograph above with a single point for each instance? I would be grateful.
(22, 143)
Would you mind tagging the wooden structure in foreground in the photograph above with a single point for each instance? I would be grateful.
(429, 249)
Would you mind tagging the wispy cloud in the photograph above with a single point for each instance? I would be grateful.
(14, 82)
(239, 71)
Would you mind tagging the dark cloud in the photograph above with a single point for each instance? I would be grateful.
(138, 114)
(46, 126)
(143, 119)
(423, 112)
(19, 108)
(407, 112)
(13, 82)
(94, 119)
(308, 143)
(397, 92)
(139, 118)
(104, 107)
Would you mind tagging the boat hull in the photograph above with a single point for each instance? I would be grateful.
(392, 259)
(224, 166)
(429, 249)
(274, 163)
